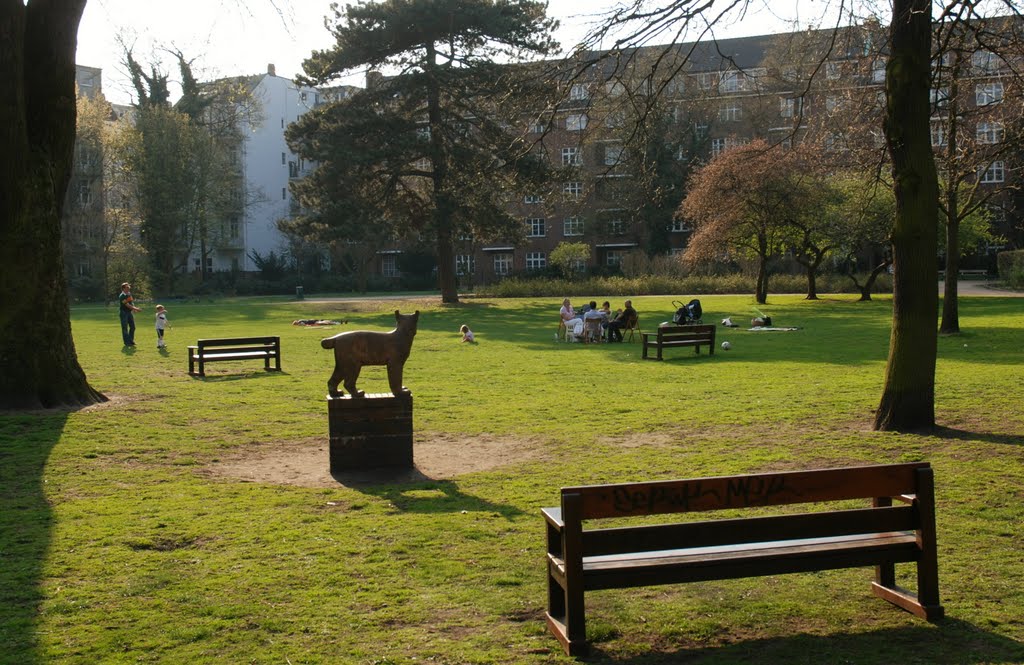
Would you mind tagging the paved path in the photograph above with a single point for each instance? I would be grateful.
(981, 288)
(964, 288)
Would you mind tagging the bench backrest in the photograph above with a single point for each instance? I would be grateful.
(685, 332)
(881, 483)
(239, 342)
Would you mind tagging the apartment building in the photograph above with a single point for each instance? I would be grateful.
(701, 99)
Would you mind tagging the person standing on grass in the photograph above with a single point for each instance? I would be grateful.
(161, 324)
(127, 309)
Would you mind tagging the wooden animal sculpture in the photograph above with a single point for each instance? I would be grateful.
(355, 349)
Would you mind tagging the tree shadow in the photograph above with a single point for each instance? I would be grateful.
(951, 642)
(26, 527)
(220, 378)
(412, 491)
(942, 432)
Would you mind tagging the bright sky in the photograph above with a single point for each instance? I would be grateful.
(234, 37)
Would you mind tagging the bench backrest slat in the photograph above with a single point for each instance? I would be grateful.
(655, 537)
(239, 341)
(724, 492)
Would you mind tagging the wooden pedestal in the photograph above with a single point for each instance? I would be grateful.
(370, 432)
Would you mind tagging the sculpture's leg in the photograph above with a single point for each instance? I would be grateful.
(332, 383)
(395, 379)
(350, 381)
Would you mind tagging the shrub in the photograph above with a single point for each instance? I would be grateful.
(691, 285)
(1011, 268)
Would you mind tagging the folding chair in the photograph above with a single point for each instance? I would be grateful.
(633, 327)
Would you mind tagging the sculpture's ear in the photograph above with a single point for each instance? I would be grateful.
(398, 317)
(416, 314)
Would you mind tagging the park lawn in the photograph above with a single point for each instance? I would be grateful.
(120, 542)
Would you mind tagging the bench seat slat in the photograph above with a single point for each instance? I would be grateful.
(751, 560)
(242, 352)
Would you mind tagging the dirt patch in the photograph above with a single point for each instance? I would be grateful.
(437, 457)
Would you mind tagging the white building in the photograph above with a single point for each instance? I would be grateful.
(267, 168)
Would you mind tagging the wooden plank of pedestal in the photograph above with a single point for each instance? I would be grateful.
(370, 432)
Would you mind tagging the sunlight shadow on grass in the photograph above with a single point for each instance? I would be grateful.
(949, 642)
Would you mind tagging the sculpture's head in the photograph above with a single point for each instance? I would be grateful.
(407, 322)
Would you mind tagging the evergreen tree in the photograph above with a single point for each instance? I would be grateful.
(432, 151)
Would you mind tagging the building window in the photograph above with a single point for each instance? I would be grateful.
(833, 103)
(616, 227)
(572, 226)
(615, 119)
(790, 106)
(503, 263)
(730, 82)
(676, 87)
(986, 62)
(614, 88)
(573, 189)
(614, 257)
(234, 228)
(832, 70)
(533, 198)
(535, 227)
(996, 172)
(939, 98)
(730, 112)
(939, 134)
(613, 154)
(678, 226)
(720, 145)
(576, 122)
(990, 132)
(578, 92)
(988, 93)
(284, 193)
(465, 264)
(389, 265)
(84, 193)
(878, 71)
(538, 127)
(536, 260)
(284, 157)
(700, 130)
(572, 157)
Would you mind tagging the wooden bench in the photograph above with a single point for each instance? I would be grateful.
(973, 273)
(669, 336)
(630, 555)
(239, 348)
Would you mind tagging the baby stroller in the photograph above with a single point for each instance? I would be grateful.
(688, 314)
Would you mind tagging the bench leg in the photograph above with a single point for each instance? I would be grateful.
(566, 619)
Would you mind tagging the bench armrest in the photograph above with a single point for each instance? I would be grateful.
(553, 517)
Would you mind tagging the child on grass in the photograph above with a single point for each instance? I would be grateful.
(467, 334)
(161, 323)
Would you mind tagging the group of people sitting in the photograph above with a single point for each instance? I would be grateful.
(608, 325)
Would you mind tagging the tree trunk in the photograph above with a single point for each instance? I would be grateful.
(950, 324)
(37, 352)
(443, 204)
(908, 397)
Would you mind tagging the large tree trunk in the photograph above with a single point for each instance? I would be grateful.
(908, 398)
(443, 204)
(37, 117)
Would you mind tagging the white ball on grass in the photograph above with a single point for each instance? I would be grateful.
(726, 346)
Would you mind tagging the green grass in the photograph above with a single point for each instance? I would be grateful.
(119, 544)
